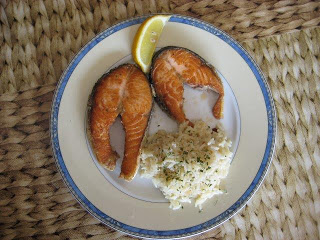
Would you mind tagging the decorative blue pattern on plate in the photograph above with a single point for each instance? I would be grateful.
(180, 232)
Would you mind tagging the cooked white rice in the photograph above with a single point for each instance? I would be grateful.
(188, 164)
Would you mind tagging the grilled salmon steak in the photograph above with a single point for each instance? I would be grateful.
(125, 90)
(174, 66)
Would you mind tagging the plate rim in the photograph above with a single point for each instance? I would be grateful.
(179, 233)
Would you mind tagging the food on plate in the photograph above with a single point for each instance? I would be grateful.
(124, 91)
(171, 68)
(188, 164)
(146, 38)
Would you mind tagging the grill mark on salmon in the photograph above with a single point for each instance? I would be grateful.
(124, 91)
(174, 66)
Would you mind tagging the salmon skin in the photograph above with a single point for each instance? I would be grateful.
(124, 91)
(171, 68)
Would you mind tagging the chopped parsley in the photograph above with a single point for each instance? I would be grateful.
(199, 160)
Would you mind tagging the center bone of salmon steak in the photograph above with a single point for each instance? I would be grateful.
(125, 91)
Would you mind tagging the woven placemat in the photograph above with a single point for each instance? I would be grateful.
(39, 38)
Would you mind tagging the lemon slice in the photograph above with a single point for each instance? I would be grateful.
(146, 38)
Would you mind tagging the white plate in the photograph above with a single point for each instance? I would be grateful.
(137, 208)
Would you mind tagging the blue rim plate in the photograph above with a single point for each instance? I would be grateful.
(179, 233)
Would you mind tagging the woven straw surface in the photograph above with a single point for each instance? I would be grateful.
(39, 38)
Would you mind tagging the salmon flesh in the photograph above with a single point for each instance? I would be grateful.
(174, 66)
(124, 91)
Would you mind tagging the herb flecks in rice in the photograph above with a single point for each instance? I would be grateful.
(188, 164)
